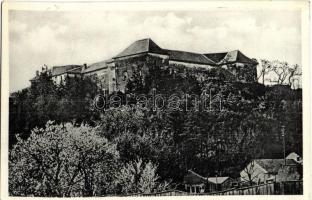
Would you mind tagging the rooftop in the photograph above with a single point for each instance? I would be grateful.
(95, 66)
(149, 46)
(217, 180)
(273, 165)
(141, 46)
(193, 178)
(58, 70)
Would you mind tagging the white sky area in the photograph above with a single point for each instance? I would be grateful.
(59, 38)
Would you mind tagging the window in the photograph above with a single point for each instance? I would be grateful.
(125, 76)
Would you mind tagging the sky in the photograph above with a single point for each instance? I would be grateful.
(71, 37)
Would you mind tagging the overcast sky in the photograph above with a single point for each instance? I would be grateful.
(59, 38)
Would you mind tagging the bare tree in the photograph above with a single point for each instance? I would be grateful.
(281, 70)
(265, 69)
(251, 173)
(294, 74)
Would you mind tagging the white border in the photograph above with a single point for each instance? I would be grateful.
(172, 5)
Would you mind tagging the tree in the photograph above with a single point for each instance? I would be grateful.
(294, 75)
(76, 96)
(58, 161)
(265, 69)
(44, 100)
(139, 177)
(281, 71)
(251, 173)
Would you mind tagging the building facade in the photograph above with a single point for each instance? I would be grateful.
(262, 171)
(140, 56)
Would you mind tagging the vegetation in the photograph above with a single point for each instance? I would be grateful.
(134, 148)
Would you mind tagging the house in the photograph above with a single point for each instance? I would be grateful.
(294, 156)
(261, 171)
(140, 56)
(58, 73)
(195, 183)
(219, 183)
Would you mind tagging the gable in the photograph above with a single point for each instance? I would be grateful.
(217, 180)
(236, 56)
(216, 57)
(141, 46)
(193, 178)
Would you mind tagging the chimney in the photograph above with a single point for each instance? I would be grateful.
(37, 73)
(85, 66)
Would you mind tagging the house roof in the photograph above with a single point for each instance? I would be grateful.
(236, 56)
(294, 156)
(216, 57)
(141, 46)
(218, 180)
(76, 70)
(193, 178)
(191, 57)
(58, 70)
(273, 165)
(95, 66)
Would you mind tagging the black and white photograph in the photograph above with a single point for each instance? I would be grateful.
(133, 99)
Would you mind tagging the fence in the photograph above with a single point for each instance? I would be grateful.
(281, 188)
(289, 187)
(164, 193)
(264, 189)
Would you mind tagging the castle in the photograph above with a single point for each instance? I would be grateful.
(142, 54)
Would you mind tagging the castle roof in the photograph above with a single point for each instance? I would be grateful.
(95, 67)
(215, 57)
(236, 56)
(58, 70)
(191, 57)
(141, 46)
(149, 46)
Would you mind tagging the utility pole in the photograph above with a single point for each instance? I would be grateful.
(284, 149)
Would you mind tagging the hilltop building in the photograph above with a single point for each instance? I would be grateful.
(142, 54)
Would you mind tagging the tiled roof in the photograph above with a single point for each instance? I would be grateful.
(58, 70)
(236, 56)
(95, 66)
(193, 178)
(273, 165)
(189, 57)
(76, 70)
(148, 45)
(217, 180)
(216, 57)
(141, 46)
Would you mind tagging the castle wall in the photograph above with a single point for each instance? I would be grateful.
(139, 66)
(244, 72)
